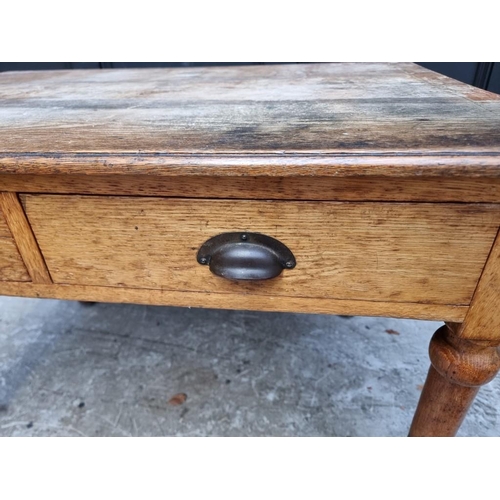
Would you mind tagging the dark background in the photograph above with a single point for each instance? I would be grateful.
(482, 75)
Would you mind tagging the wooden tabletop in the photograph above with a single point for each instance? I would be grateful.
(293, 119)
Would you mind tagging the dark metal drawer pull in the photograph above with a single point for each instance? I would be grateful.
(245, 256)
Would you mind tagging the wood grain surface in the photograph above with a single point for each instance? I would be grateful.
(369, 188)
(382, 178)
(390, 166)
(235, 301)
(11, 264)
(270, 119)
(387, 252)
(483, 321)
(23, 237)
(442, 407)
(459, 367)
(4, 229)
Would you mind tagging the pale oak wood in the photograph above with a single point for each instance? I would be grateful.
(11, 264)
(417, 189)
(388, 252)
(235, 301)
(23, 237)
(4, 229)
(483, 321)
(464, 357)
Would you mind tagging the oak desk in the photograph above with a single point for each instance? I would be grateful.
(359, 189)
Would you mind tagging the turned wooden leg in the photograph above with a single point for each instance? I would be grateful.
(459, 367)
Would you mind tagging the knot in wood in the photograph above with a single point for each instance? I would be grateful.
(462, 361)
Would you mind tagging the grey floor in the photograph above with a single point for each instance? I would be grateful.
(67, 369)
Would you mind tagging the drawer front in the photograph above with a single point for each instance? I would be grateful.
(11, 265)
(396, 252)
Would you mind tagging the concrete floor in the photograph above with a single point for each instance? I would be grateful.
(67, 369)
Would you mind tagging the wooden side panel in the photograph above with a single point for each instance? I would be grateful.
(11, 264)
(393, 252)
(483, 318)
(4, 229)
(23, 237)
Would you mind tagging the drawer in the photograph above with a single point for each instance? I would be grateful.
(11, 265)
(400, 252)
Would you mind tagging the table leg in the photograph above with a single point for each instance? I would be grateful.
(459, 367)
